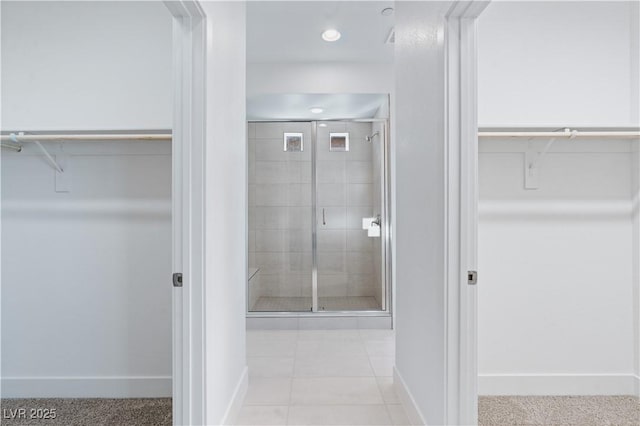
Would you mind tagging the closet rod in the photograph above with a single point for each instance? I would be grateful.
(88, 137)
(564, 134)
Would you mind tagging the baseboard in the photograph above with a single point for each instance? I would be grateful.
(558, 384)
(637, 386)
(406, 399)
(87, 387)
(231, 415)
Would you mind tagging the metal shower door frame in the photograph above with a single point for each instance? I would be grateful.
(386, 255)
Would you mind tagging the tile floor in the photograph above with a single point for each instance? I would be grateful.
(321, 377)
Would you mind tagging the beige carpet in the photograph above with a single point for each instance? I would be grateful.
(91, 412)
(559, 410)
(493, 411)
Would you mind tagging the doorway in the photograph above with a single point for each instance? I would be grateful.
(318, 217)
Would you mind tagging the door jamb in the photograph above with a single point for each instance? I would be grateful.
(461, 212)
(188, 190)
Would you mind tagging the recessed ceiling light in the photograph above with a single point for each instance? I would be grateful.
(387, 11)
(316, 110)
(331, 35)
(322, 124)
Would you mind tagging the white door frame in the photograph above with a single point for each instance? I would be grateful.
(188, 192)
(462, 212)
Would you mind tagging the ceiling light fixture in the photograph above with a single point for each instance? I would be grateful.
(322, 125)
(316, 110)
(331, 35)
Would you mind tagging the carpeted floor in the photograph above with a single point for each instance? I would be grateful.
(89, 412)
(559, 410)
(493, 411)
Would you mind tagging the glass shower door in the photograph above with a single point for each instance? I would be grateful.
(280, 227)
(349, 160)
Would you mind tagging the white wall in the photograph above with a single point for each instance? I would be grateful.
(555, 310)
(420, 203)
(86, 65)
(86, 301)
(329, 77)
(226, 210)
(86, 274)
(557, 263)
(558, 64)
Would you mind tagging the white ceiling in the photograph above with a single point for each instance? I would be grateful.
(290, 31)
(296, 106)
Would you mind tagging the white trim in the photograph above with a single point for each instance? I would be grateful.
(87, 387)
(461, 212)
(233, 410)
(188, 148)
(558, 384)
(406, 399)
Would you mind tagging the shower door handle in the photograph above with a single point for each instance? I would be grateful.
(324, 220)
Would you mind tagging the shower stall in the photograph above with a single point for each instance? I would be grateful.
(318, 226)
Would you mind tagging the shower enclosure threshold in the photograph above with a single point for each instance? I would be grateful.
(301, 304)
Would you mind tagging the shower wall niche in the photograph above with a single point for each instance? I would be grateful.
(328, 261)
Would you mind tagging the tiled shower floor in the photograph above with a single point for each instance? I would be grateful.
(299, 304)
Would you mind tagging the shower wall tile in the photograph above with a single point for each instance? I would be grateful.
(251, 195)
(270, 262)
(270, 217)
(297, 262)
(359, 149)
(331, 263)
(251, 153)
(359, 172)
(331, 194)
(251, 241)
(305, 171)
(361, 285)
(271, 172)
(275, 130)
(332, 240)
(359, 263)
(287, 284)
(298, 240)
(359, 194)
(251, 172)
(269, 240)
(273, 150)
(335, 218)
(360, 130)
(299, 218)
(357, 240)
(332, 285)
(299, 194)
(331, 172)
(355, 215)
(272, 195)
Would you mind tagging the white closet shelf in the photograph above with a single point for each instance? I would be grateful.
(87, 137)
(566, 133)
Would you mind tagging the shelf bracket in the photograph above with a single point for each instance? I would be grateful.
(533, 160)
(51, 160)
